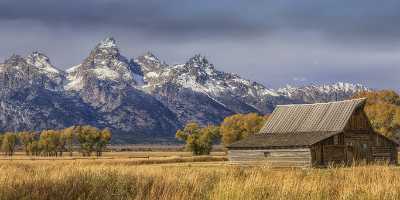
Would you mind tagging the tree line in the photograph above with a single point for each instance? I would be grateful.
(89, 139)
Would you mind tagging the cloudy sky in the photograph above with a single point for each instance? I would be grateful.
(273, 42)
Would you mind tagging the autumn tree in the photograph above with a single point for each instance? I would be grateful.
(239, 126)
(198, 140)
(25, 138)
(34, 148)
(51, 142)
(1, 140)
(45, 143)
(207, 137)
(61, 142)
(8, 143)
(69, 137)
(383, 110)
(103, 138)
(55, 142)
(87, 137)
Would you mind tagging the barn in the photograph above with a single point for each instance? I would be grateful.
(314, 135)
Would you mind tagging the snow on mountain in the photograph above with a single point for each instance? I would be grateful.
(141, 97)
(42, 62)
(110, 83)
(104, 63)
(149, 62)
(230, 90)
(201, 76)
(35, 69)
(322, 93)
(107, 43)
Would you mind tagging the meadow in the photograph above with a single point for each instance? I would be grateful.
(177, 175)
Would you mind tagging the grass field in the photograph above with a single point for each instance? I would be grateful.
(125, 177)
(114, 155)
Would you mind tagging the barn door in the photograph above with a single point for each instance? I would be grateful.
(360, 151)
(334, 154)
(349, 154)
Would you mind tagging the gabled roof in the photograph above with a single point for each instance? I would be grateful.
(319, 117)
(302, 124)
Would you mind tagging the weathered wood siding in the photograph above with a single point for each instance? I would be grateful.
(357, 143)
(364, 144)
(329, 151)
(296, 157)
(382, 149)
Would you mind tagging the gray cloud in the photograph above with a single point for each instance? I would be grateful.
(272, 42)
(366, 20)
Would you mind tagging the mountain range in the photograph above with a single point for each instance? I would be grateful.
(140, 99)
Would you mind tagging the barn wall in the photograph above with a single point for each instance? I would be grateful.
(357, 143)
(296, 157)
(329, 151)
(382, 149)
(364, 144)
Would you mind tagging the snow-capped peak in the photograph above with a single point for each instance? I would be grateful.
(42, 62)
(108, 42)
(322, 93)
(347, 87)
(14, 59)
(151, 57)
(149, 62)
(104, 63)
(199, 61)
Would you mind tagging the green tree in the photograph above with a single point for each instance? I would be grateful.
(198, 140)
(240, 126)
(8, 144)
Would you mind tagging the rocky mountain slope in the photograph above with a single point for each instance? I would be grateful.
(141, 99)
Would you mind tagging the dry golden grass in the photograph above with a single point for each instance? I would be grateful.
(131, 155)
(122, 179)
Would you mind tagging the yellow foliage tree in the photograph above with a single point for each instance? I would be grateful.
(198, 139)
(383, 110)
(239, 126)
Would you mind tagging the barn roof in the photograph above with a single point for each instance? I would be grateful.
(303, 124)
(318, 117)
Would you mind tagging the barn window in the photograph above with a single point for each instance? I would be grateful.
(267, 154)
(364, 146)
(336, 139)
(378, 141)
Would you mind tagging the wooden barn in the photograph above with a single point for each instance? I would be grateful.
(318, 134)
